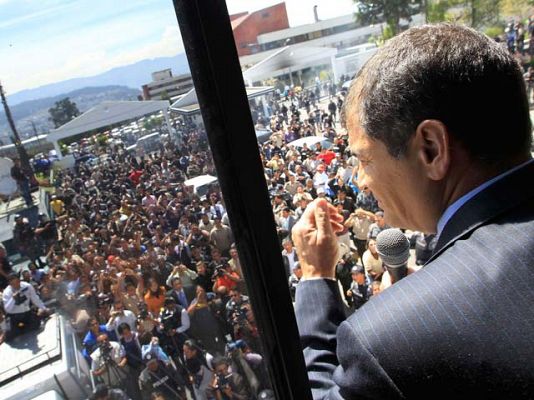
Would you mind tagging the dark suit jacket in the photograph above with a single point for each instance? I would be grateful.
(461, 327)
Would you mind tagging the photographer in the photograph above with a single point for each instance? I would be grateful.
(225, 276)
(109, 362)
(239, 314)
(228, 384)
(119, 316)
(16, 299)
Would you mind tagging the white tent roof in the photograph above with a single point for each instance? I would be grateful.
(105, 114)
(289, 58)
(188, 104)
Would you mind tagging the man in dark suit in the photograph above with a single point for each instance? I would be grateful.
(439, 121)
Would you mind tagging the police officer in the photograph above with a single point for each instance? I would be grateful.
(157, 377)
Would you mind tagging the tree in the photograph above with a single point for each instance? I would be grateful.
(389, 11)
(62, 112)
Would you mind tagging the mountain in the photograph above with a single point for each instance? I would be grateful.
(133, 76)
(36, 111)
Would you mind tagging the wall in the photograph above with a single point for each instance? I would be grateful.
(247, 28)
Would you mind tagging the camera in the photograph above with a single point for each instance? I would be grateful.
(223, 380)
(219, 271)
(19, 298)
(105, 350)
(236, 344)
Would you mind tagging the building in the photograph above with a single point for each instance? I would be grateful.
(165, 86)
(248, 26)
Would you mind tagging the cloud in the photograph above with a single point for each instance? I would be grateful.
(79, 57)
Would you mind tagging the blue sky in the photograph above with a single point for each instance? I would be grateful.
(47, 41)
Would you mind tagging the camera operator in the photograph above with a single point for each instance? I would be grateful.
(109, 362)
(225, 276)
(24, 238)
(16, 299)
(46, 231)
(239, 314)
(174, 323)
(228, 384)
(158, 377)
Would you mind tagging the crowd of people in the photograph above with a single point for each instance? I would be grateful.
(148, 273)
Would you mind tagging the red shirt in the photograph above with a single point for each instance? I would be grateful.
(226, 281)
(327, 157)
(135, 176)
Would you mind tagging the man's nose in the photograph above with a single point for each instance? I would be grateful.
(362, 178)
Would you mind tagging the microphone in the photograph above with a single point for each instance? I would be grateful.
(394, 250)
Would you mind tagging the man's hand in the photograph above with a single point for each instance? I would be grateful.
(315, 239)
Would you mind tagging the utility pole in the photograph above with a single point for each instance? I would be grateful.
(23, 155)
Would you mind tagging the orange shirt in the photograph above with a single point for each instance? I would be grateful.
(155, 303)
(226, 281)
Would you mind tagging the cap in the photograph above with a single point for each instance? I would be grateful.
(148, 357)
(169, 300)
(18, 216)
(357, 269)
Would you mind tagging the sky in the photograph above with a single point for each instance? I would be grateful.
(46, 41)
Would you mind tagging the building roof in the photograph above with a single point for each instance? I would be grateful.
(288, 58)
(105, 114)
(188, 104)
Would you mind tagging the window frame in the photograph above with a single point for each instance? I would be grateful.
(211, 51)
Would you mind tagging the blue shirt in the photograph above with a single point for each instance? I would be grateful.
(454, 207)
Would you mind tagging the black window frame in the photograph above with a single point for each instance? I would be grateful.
(211, 51)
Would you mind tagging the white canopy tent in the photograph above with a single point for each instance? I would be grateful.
(106, 114)
(287, 60)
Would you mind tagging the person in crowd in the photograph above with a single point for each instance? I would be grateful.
(5, 268)
(199, 368)
(158, 377)
(372, 262)
(227, 384)
(118, 316)
(289, 256)
(294, 279)
(24, 238)
(360, 221)
(378, 226)
(23, 181)
(109, 362)
(17, 299)
(359, 291)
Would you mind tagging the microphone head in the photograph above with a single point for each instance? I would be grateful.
(393, 247)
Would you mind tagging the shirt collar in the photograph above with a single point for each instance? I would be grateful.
(454, 207)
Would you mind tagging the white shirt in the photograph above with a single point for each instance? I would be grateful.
(127, 316)
(29, 292)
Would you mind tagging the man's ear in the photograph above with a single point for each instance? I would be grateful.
(432, 143)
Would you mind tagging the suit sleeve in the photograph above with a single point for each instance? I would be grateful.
(352, 372)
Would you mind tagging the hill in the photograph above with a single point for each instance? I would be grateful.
(133, 76)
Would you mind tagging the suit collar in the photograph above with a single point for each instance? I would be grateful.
(498, 198)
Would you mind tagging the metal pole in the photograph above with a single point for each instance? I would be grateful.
(23, 155)
(218, 79)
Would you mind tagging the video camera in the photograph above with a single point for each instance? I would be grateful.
(20, 297)
(235, 345)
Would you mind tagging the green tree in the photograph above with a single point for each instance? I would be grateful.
(389, 11)
(62, 112)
